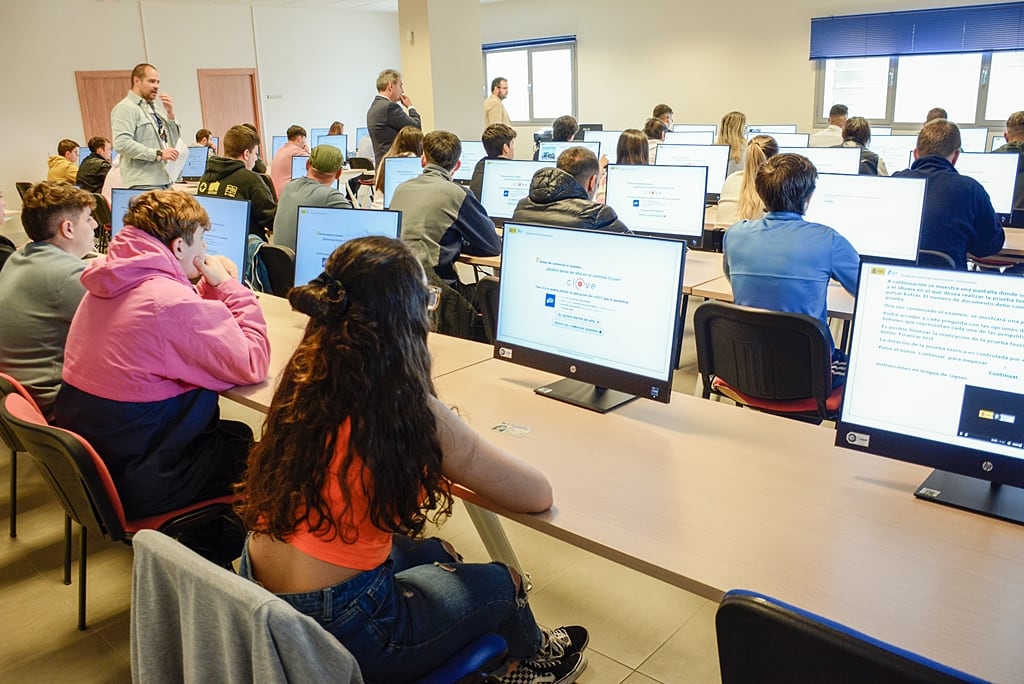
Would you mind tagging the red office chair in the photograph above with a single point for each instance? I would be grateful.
(771, 361)
(9, 385)
(79, 478)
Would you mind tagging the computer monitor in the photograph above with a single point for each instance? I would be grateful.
(997, 142)
(690, 138)
(549, 151)
(715, 157)
(195, 165)
(119, 200)
(216, 143)
(997, 173)
(666, 201)
(299, 168)
(339, 141)
(684, 128)
(974, 139)
(361, 132)
(609, 143)
(277, 142)
(600, 308)
(786, 139)
(936, 359)
(893, 149)
(845, 160)
(881, 217)
(581, 132)
(229, 229)
(320, 230)
(397, 170)
(472, 152)
(83, 152)
(506, 181)
(315, 133)
(881, 130)
(771, 129)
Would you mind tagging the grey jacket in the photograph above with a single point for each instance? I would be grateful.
(137, 141)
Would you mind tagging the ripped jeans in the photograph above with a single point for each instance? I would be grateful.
(417, 609)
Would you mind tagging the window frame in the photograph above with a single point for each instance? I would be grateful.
(530, 47)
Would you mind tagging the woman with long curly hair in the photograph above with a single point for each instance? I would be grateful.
(358, 455)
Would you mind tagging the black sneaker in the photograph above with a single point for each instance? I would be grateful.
(564, 671)
(561, 643)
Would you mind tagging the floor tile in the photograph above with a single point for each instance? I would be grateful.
(690, 656)
(637, 678)
(86, 659)
(603, 670)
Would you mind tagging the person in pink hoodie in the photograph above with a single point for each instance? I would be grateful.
(148, 352)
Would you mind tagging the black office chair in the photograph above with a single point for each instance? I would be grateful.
(487, 291)
(280, 263)
(935, 259)
(103, 220)
(360, 163)
(763, 640)
(771, 361)
(22, 187)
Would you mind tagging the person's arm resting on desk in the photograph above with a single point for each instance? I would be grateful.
(475, 463)
(845, 263)
(989, 235)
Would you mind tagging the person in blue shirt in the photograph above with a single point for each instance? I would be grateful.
(958, 215)
(781, 262)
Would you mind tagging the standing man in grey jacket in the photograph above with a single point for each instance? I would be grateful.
(145, 131)
(386, 116)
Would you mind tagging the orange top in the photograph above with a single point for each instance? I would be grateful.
(373, 544)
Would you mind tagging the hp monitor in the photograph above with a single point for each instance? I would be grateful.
(600, 308)
(881, 217)
(397, 170)
(83, 152)
(339, 141)
(973, 139)
(881, 130)
(666, 201)
(785, 139)
(506, 181)
(690, 138)
(581, 132)
(315, 133)
(715, 157)
(320, 230)
(934, 378)
(299, 165)
(771, 129)
(216, 143)
(844, 160)
(361, 132)
(229, 228)
(997, 173)
(997, 142)
(472, 152)
(609, 143)
(549, 151)
(195, 165)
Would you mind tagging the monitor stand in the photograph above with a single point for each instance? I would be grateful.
(600, 399)
(971, 494)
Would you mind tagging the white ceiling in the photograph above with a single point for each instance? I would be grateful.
(366, 5)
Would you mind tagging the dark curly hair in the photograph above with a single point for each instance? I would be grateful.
(363, 358)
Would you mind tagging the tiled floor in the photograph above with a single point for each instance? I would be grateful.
(642, 630)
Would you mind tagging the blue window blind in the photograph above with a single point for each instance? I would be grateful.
(982, 28)
(532, 42)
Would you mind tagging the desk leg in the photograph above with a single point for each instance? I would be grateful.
(495, 540)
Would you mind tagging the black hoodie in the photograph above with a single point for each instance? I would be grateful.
(229, 178)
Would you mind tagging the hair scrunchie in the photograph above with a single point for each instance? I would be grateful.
(336, 302)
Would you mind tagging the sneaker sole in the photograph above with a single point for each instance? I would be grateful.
(575, 674)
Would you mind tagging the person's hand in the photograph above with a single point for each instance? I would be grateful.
(406, 102)
(168, 153)
(216, 269)
(168, 102)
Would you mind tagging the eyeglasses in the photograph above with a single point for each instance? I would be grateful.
(434, 297)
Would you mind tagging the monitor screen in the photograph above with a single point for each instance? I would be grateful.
(277, 142)
(506, 181)
(881, 130)
(600, 308)
(997, 173)
(581, 131)
(659, 200)
(320, 230)
(771, 129)
(83, 152)
(996, 143)
(609, 143)
(893, 149)
(397, 170)
(119, 199)
(684, 128)
(715, 157)
(314, 134)
(299, 165)
(974, 139)
(934, 378)
(690, 138)
(229, 228)
(549, 151)
(361, 132)
(195, 165)
(785, 139)
(472, 152)
(881, 217)
(844, 160)
(216, 143)
(339, 141)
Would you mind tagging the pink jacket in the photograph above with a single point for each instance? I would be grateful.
(144, 333)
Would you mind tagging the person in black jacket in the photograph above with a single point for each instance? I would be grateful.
(386, 117)
(563, 196)
(232, 176)
(1014, 137)
(93, 169)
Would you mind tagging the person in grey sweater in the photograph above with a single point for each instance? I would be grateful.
(40, 287)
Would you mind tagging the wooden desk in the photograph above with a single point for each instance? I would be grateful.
(709, 497)
(286, 328)
(840, 302)
(490, 261)
(700, 268)
(1014, 245)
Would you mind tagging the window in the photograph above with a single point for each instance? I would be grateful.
(1006, 73)
(860, 84)
(541, 77)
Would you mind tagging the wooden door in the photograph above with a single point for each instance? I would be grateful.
(98, 92)
(228, 97)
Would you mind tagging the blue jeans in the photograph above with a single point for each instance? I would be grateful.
(413, 612)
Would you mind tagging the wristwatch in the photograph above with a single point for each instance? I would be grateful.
(159, 155)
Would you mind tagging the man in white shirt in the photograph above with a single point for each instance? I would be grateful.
(494, 108)
(833, 135)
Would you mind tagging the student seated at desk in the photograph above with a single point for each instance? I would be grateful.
(358, 455)
(781, 262)
(147, 354)
(632, 149)
(733, 132)
(499, 143)
(739, 199)
(408, 143)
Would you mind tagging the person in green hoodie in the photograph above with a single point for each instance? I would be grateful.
(231, 176)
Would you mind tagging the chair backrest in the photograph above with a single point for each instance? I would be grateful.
(22, 187)
(8, 385)
(7, 248)
(280, 264)
(360, 163)
(102, 211)
(761, 639)
(767, 354)
(930, 257)
(487, 291)
(70, 466)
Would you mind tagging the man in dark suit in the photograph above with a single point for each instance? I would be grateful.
(386, 116)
